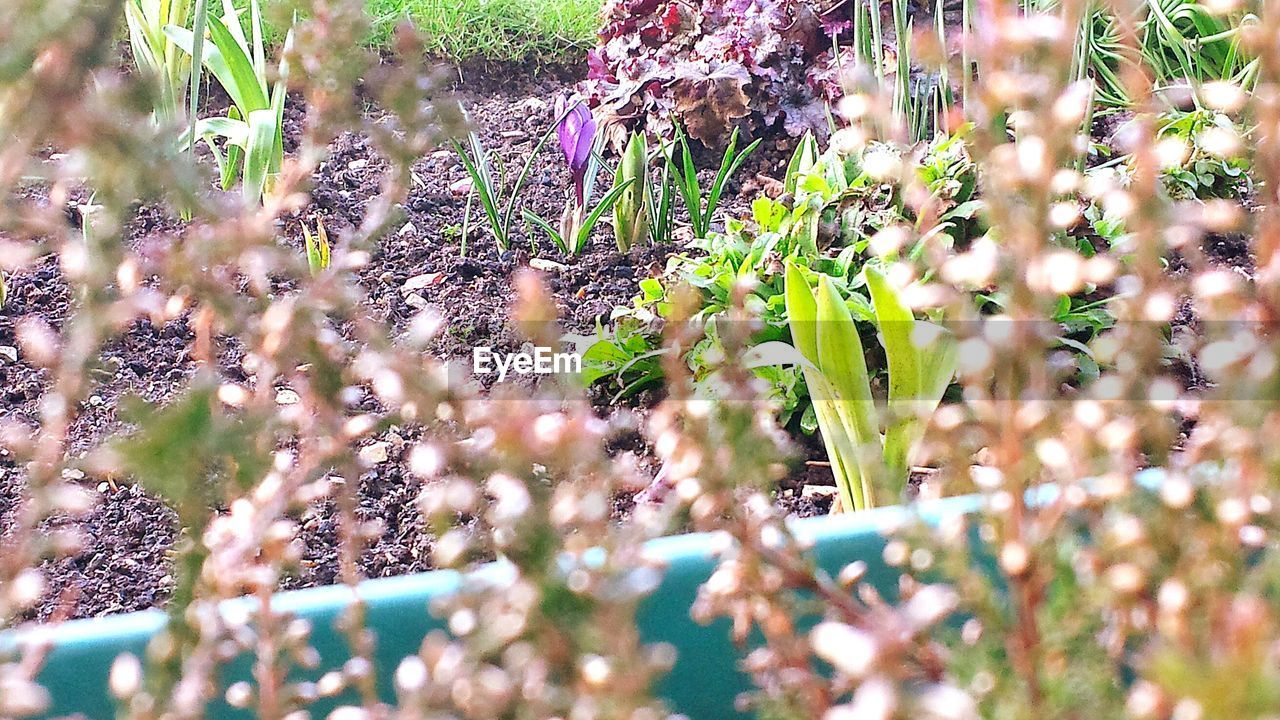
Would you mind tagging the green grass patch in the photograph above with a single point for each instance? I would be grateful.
(537, 30)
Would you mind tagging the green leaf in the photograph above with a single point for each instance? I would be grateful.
(606, 203)
(843, 363)
(802, 312)
(235, 152)
(922, 359)
(896, 323)
(545, 227)
(631, 213)
(802, 160)
(257, 161)
(651, 289)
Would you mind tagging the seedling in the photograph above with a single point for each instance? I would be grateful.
(317, 246)
(633, 213)
(702, 205)
(487, 182)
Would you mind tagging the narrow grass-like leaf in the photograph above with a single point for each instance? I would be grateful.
(477, 170)
(551, 232)
(199, 22)
(605, 205)
(802, 160)
(729, 165)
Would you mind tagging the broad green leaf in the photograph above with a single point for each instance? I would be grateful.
(802, 312)
(896, 323)
(231, 18)
(240, 65)
(234, 131)
(841, 446)
(937, 367)
(235, 153)
(844, 365)
(257, 159)
(922, 360)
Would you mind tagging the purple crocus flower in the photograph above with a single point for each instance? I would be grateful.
(577, 134)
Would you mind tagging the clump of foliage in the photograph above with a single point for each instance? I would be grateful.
(828, 348)
(1179, 42)
(834, 204)
(580, 144)
(489, 181)
(1205, 160)
(253, 129)
(157, 56)
(710, 66)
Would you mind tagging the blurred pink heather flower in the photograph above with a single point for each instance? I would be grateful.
(577, 133)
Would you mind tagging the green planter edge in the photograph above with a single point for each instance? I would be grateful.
(703, 684)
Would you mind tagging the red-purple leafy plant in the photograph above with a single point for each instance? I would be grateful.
(712, 66)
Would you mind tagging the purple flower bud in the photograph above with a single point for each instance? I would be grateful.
(577, 133)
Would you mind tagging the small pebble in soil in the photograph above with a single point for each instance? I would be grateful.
(376, 453)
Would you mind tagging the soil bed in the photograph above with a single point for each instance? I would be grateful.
(123, 563)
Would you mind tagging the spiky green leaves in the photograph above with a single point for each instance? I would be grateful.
(254, 130)
(317, 247)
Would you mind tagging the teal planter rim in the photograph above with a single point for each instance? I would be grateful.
(703, 684)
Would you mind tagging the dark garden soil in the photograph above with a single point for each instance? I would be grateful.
(123, 562)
